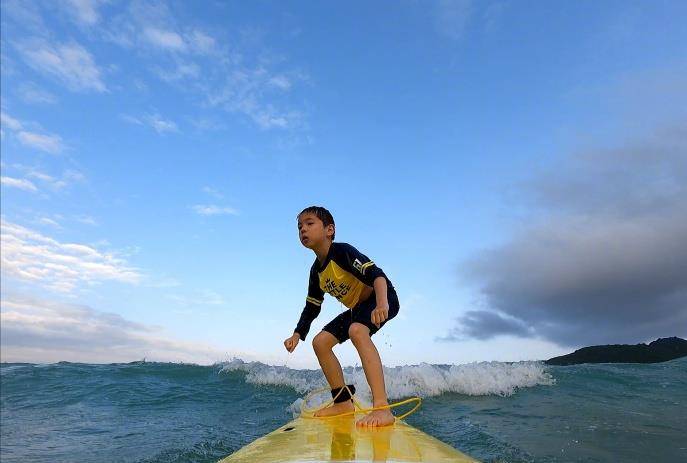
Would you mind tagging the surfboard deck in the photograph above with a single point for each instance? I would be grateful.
(338, 439)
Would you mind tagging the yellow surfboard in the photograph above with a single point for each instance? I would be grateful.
(338, 439)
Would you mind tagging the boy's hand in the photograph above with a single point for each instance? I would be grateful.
(292, 342)
(380, 314)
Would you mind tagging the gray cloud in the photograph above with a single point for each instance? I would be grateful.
(484, 324)
(41, 331)
(604, 256)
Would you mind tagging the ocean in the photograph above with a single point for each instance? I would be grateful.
(493, 411)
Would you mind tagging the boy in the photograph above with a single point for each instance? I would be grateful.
(352, 278)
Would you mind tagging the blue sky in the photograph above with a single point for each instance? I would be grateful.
(155, 154)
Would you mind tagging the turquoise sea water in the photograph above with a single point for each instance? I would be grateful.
(497, 412)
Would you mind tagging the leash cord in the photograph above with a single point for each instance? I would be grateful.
(310, 412)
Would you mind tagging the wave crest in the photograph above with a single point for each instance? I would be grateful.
(424, 380)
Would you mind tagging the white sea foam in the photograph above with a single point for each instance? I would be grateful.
(259, 373)
(424, 380)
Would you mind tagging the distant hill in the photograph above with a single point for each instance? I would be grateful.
(660, 350)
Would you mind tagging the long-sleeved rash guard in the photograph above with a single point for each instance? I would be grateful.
(343, 274)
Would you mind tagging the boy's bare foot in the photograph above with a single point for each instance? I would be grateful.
(382, 417)
(336, 409)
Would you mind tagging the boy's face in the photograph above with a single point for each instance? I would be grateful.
(311, 230)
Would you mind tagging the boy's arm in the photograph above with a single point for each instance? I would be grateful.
(361, 266)
(310, 313)
(381, 311)
(313, 305)
(380, 292)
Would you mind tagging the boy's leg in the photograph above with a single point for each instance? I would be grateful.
(372, 365)
(323, 344)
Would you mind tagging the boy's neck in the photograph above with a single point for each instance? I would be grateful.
(322, 250)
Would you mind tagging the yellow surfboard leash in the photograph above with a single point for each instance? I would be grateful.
(310, 412)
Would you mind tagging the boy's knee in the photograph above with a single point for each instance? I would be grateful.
(357, 332)
(320, 342)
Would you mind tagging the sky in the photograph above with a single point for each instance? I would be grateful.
(518, 170)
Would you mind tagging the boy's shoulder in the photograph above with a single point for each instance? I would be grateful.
(337, 251)
(338, 245)
(343, 251)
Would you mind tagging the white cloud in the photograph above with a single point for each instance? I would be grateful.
(68, 177)
(25, 13)
(280, 82)
(86, 219)
(44, 142)
(154, 121)
(206, 297)
(35, 95)
(214, 192)
(43, 331)
(267, 121)
(49, 221)
(164, 39)
(132, 119)
(182, 71)
(214, 210)
(161, 125)
(36, 181)
(493, 15)
(20, 183)
(69, 63)
(201, 41)
(64, 267)
(246, 91)
(151, 25)
(231, 76)
(10, 122)
(207, 124)
(451, 17)
(73, 175)
(163, 281)
(85, 11)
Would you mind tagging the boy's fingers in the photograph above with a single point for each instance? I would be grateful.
(379, 316)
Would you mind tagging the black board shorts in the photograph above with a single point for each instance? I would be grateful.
(361, 313)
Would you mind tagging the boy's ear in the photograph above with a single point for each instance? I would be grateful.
(330, 228)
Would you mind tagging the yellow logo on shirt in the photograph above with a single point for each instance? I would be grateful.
(341, 284)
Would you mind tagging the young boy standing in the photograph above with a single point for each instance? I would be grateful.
(340, 270)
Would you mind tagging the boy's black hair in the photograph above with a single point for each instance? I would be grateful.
(321, 213)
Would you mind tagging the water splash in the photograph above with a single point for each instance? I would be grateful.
(424, 380)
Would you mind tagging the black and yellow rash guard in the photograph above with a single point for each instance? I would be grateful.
(343, 274)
